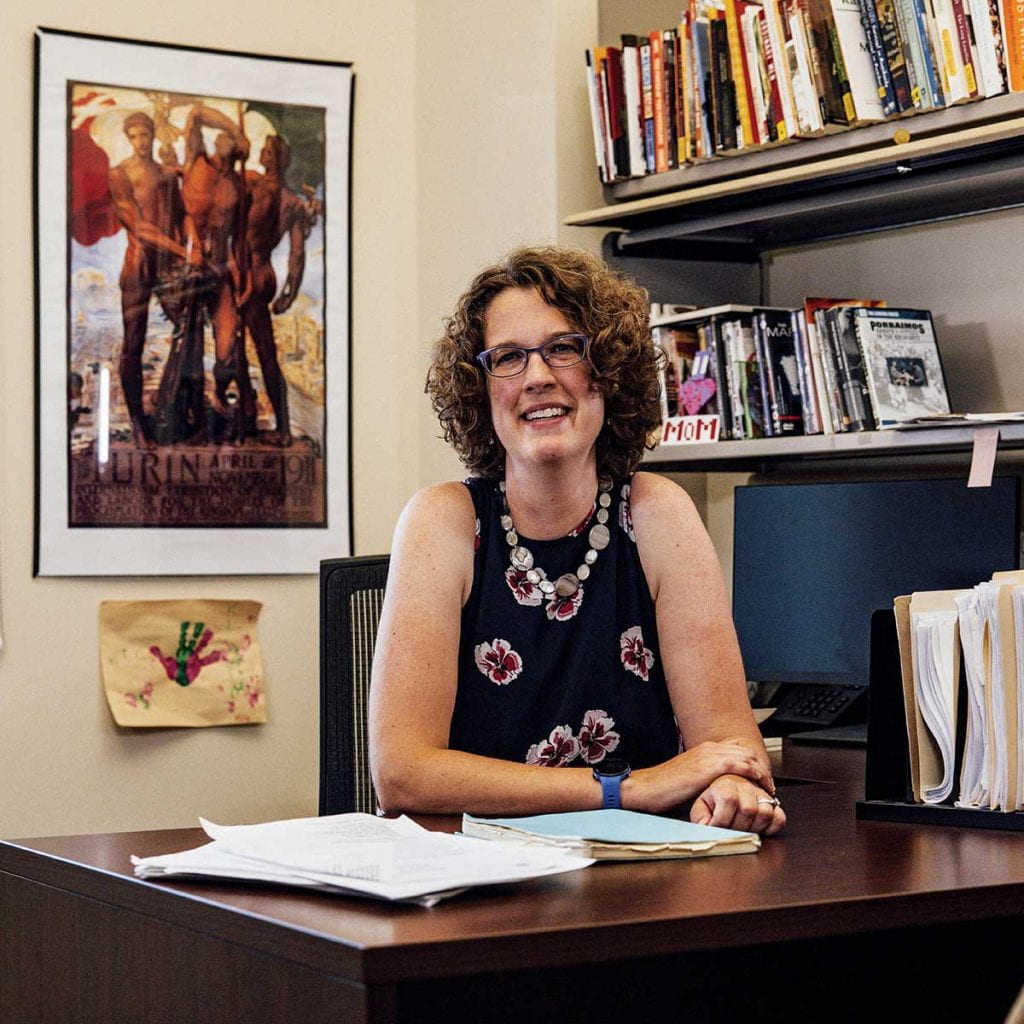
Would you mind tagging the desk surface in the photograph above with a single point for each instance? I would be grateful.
(829, 876)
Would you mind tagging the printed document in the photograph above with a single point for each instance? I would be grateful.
(358, 854)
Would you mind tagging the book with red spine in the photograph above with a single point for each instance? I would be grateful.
(658, 101)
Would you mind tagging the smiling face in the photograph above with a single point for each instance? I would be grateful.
(544, 414)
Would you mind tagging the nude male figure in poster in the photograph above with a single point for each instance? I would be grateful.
(274, 212)
(148, 205)
(214, 198)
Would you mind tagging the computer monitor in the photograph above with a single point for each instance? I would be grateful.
(811, 562)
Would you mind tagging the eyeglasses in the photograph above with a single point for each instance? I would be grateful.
(511, 360)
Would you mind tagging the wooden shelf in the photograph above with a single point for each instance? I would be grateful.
(743, 456)
(964, 160)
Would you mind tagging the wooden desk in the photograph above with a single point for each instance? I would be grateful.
(814, 927)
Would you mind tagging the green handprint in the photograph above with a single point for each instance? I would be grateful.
(188, 660)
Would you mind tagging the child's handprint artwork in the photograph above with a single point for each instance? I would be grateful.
(188, 660)
(182, 663)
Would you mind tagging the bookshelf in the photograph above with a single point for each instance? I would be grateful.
(950, 443)
(728, 217)
(955, 162)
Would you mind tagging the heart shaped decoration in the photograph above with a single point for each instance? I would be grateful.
(695, 393)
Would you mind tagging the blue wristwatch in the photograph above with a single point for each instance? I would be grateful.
(610, 774)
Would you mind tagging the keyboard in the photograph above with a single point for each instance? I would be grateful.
(816, 705)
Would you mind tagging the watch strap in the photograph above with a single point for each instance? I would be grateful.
(610, 785)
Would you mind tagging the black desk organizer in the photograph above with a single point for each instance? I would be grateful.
(887, 792)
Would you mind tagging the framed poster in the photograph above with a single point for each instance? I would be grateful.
(192, 309)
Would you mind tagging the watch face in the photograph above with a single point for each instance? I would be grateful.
(612, 766)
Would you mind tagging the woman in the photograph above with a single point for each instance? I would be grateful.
(555, 610)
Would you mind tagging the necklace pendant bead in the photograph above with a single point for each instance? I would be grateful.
(533, 576)
(604, 499)
(583, 572)
(566, 585)
(599, 537)
(547, 586)
(521, 559)
(590, 557)
(506, 523)
(602, 515)
(512, 537)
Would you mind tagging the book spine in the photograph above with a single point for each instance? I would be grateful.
(717, 363)
(821, 383)
(1011, 18)
(808, 390)
(658, 95)
(735, 367)
(723, 88)
(669, 377)
(830, 366)
(920, 90)
(895, 57)
(813, 55)
(773, 20)
(617, 110)
(804, 88)
(703, 94)
(647, 98)
(786, 392)
(853, 44)
(596, 118)
(873, 34)
(952, 60)
(775, 114)
(988, 42)
(967, 54)
(850, 361)
(932, 63)
(634, 105)
(738, 74)
(757, 75)
(684, 86)
(606, 116)
(668, 49)
(834, 81)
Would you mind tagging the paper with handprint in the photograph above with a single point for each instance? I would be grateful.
(182, 663)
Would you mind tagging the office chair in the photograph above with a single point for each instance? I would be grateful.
(351, 595)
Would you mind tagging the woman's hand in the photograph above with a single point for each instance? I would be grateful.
(732, 801)
(686, 776)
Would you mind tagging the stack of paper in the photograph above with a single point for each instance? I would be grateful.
(986, 624)
(935, 657)
(615, 834)
(357, 855)
(974, 775)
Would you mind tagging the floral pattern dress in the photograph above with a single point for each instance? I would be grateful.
(560, 681)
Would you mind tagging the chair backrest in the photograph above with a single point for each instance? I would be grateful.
(351, 595)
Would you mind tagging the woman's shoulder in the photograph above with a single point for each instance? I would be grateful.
(653, 494)
(449, 501)
(434, 540)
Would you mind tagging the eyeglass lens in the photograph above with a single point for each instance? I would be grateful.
(507, 361)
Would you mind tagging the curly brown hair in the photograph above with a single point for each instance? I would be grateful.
(611, 309)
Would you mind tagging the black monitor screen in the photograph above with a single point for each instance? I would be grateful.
(812, 561)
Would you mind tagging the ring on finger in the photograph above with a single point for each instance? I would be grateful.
(773, 800)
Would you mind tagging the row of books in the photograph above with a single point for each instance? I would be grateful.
(962, 666)
(831, 366)
(739, 75)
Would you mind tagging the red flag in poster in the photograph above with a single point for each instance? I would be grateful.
(92, 212)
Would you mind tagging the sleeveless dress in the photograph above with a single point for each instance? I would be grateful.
(560, 681)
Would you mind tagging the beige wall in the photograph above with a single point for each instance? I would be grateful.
(457, 134)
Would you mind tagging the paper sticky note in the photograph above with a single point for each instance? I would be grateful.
(983, 458)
